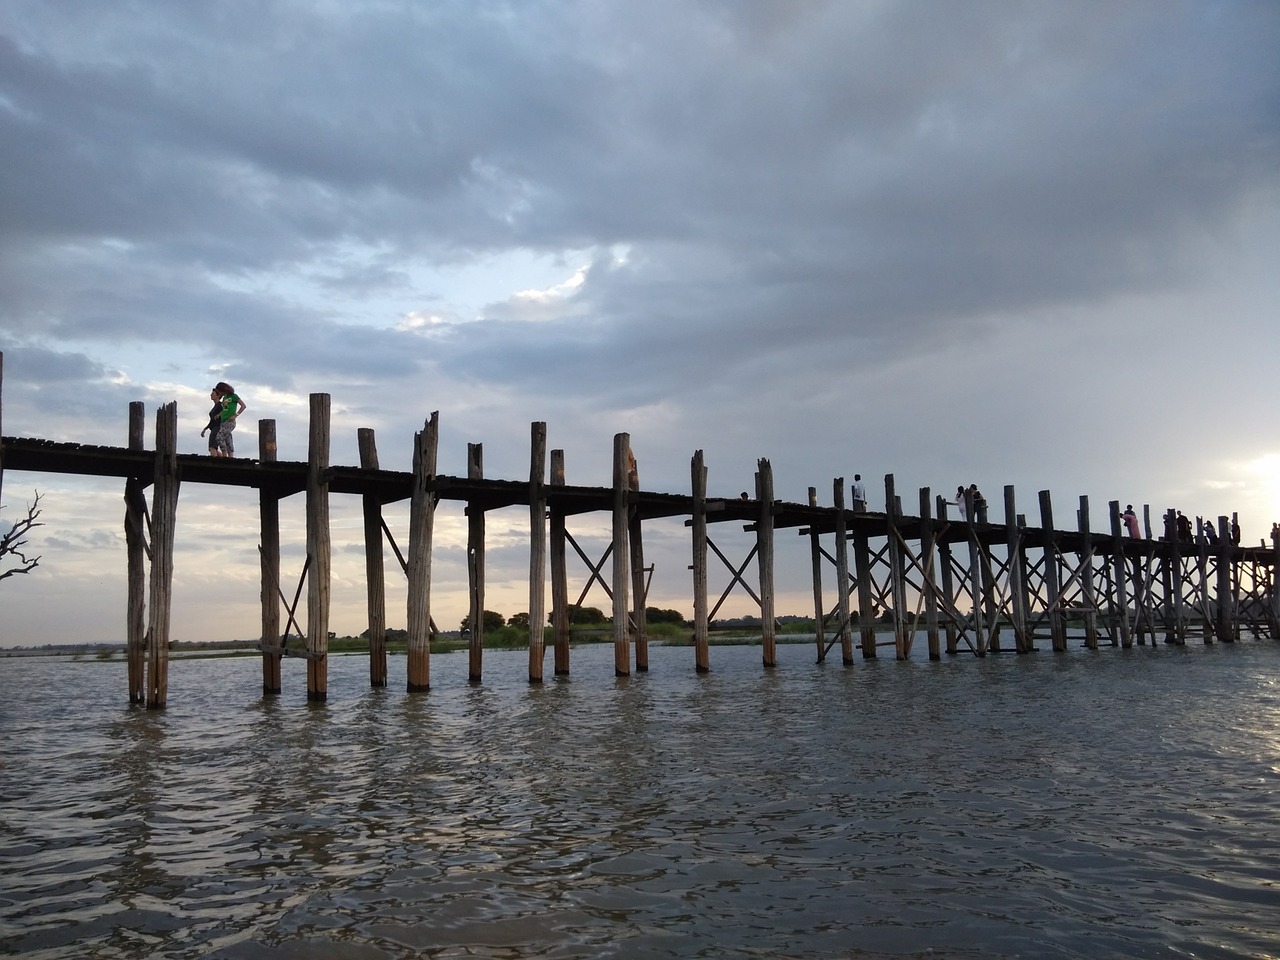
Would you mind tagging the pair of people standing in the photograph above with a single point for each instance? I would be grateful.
(222, 419)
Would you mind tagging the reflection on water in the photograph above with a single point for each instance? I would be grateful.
(1121, 803)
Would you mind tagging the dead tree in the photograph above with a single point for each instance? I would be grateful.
(13, 543)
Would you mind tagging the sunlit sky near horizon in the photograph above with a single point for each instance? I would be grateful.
(1022, 243)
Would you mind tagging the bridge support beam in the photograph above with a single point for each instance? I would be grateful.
(319, 549)
(422, 511)
(164, 509)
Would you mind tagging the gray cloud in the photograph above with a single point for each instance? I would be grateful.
(942, 238)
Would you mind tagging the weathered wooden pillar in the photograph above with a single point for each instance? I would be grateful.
(842, 575)
(422, 512)
(897, 566)
(621, 635)
(764, 543)
(1087, 591)
(698, 530)
(135, 539)
(164, 511)
(1202, 580)
(1175, 626)
(537, 548)
(1274, 605)
(374, 571)
(815, 566)
(319, 549)
(866, 597)
(1017, 573)
(635, 540)
(269, 563)
(947, 580)
(1224, 622)
(475, 568)
(559, 571)
(975, 574)
(928, 551)
(1057, 629)
(1120, 574)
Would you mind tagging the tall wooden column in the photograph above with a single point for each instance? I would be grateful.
(374, 570)
(1017, 573)
(1223, 588)
(559, 571)
(537, 549)
(1120, 573)
(135, 539)
(764, 541)
(621, 555)
(164, 510)
(635, 540)
(269, 563)
(422, 512)
(866, 598)
(1057, 629)
(842, 574)
(947, 580)
(475, 567)
(1275, 581)
(975, 574)
(815, 565)
(1086, 577)
(897, 567)
(928, 551)
(319, 549)
(698, 526)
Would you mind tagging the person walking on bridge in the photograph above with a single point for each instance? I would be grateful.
(232, 407)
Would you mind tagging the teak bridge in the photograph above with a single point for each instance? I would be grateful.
(969, 585)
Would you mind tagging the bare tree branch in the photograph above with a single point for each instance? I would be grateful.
(13, 543)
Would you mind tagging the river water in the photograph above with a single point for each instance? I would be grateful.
(1108, 804)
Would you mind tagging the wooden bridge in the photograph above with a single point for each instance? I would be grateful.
(970, 586)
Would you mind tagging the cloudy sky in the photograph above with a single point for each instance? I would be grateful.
(1029, 243)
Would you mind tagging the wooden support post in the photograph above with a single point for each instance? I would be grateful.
(947, 581)
(1087, 591)
(269, 563)
(1274, 605)
(1224, 621)
(1, 426)
(1120, 574)
(928, 554)
(764, 542)
(815, 566)
(1057, 629)
(842, 576)
(319, 549)
(559, 573)
(164, 510)
(621, 635)
(866, 599)
(537, 548)
(1017, 573)
(422, 511)
(475, 568)
(975, 574)
(698, 526)
(1175, 630)
(897, 568)
(135, 538)
(636, 542)
(1202, 581)
(374, 571)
